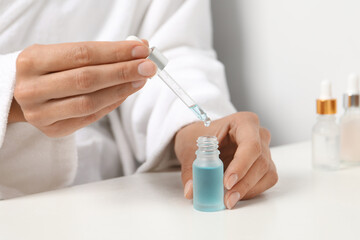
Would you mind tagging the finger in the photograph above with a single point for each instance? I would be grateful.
(253, 176)
(248, 150)
(186, 176)
(58, 57)
(256, 172)
(146, 42)
(90, 79)
(188, 189)
(265, 135)
(83, 105)
(68, 126)
(269, 180)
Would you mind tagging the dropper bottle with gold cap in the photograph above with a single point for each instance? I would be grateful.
(350, 124)
(326, 132)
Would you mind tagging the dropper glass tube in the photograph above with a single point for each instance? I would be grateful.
(161, 61)
(185, 98)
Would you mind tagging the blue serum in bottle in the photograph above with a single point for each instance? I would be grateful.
(208, 174)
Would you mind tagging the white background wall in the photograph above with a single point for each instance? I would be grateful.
(276, 52)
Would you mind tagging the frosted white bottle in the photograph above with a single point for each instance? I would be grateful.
(326, 132)
(350, 125)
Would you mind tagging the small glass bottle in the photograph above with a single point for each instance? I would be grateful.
(350, 125)
(325, 133)
(208, 174)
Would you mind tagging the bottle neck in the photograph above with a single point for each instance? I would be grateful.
(208, 148)
(352, 109)
(326, 117)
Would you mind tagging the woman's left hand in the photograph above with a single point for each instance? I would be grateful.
(244, 147)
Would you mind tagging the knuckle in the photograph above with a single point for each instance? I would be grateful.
(250, 194)
(245, 186)
(119, 52)
(240, 117)
(253, 117)
(255, 147)
(19, 92)
(83, 80)
(81, 54)
(266, 133)
(264, 165)
(24, 92)
(123, 73)
(53, 131)
(32, 117)
(24, 61)
(34, 47)
(121, 91)
(90, 118)
(86, 104)
(121, 101)
(50, 132)
(241, 173)
(112, 106)
(241, 170)
(274, 177)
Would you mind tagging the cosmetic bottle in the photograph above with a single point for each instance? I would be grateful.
(350, 125)
(325, 133)
(208, 174)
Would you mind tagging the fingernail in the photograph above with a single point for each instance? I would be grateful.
(140, 52)
(138, 84)
(187, 188)
(232, 200)
(232, 180)
(146, 43)
(147, 69)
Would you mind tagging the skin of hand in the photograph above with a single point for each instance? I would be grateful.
(244, 150)
(63, 87)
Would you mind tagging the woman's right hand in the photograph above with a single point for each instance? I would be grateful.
(63, 87)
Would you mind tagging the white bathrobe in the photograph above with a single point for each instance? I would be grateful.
(136, 137)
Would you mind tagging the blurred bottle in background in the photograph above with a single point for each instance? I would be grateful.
(350, 124)
(326, 132)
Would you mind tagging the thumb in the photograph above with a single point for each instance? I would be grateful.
(186, 176)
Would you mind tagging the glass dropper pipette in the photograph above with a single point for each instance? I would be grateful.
(161, 61)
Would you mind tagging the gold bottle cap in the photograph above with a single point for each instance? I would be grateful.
(326, 106)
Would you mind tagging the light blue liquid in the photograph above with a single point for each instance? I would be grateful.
(201, 114)
(208, 188)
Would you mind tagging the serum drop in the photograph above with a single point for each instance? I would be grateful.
(208, 174)
(325, 133)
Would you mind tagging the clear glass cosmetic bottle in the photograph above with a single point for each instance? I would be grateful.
(325, 133)
(208, 174)
(350, 125)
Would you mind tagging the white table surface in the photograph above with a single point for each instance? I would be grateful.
(305, 204)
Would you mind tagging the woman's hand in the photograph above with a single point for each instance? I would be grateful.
(244, 147)
(63, 87)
